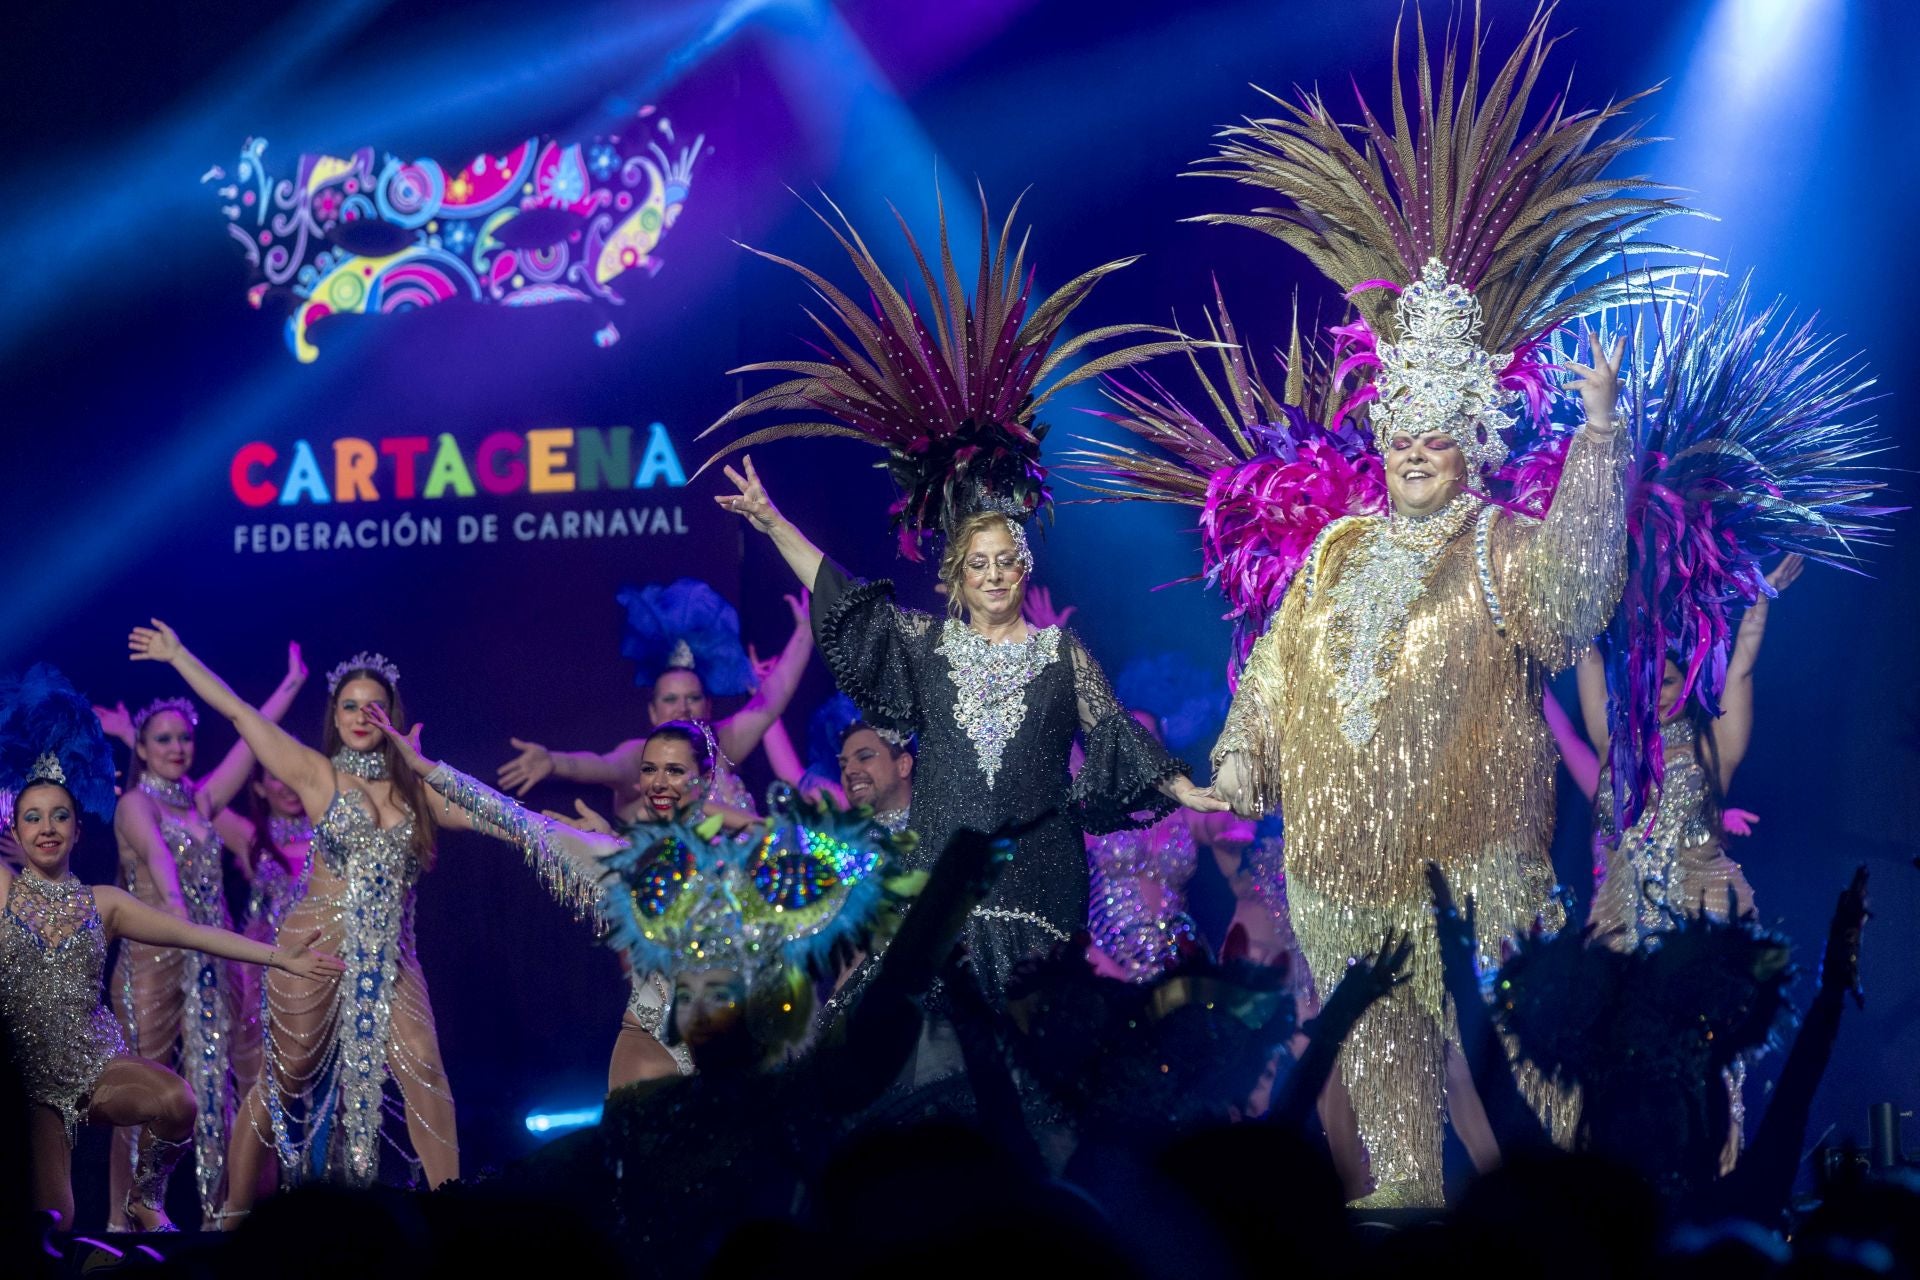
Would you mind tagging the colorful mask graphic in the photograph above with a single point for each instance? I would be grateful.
(541, 223)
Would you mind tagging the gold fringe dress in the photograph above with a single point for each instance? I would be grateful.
(1391, 713)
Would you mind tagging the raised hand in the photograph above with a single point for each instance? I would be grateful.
(584, 818)
(525, 771)
(762, 667)
(1599, 383)
(115, 722)
(408, 742)
(303, 961)
(1369, 979)
(296, 665)
(1039, 610)
(1457, 931)
(157, 643)
(1738, 822)
(1786, 573)
(802, 606)
(751, 500)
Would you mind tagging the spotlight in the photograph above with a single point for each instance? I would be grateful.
(549, 1123)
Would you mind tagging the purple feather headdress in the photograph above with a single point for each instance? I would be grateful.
(1750, 443)
(952, 390)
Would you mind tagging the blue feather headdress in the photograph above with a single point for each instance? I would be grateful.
(48, 733)
(685, 625)
(829, 724)
(1751, 442)
(783, 905)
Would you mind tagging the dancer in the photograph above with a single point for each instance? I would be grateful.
(993, 702)
(186, 1009)
(333, 1044)
(54, 933)
(1138, 904)
(678, 764)
(1390, 709)
(685, 643)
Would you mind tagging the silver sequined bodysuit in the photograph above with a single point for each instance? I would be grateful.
(53, 954)
(1137, 913)
(1674, 861)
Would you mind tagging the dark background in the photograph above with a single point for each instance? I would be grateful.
(134, 367)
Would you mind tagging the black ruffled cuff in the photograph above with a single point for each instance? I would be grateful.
(1122, 775)
(856, 630)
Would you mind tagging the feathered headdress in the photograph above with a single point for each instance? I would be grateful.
(49, 733)
(829, 724)
(806, 889)
(952, 392)
(1750, 441)
(1460, 235)
(1273, 473)
(684, 625)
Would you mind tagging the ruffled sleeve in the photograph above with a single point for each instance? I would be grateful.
(871, 645)
(566, 860)
(1552, 584)
(1124, 764)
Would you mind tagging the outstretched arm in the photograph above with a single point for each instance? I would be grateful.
(219, 787)
(285, 757)
(1365, 982)
(1733, 731)
(1126, 769)
(742, 731)
(1579, 758)
(535, 764)
(127, 917)
(751, 501)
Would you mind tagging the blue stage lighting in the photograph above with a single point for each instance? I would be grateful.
(549, 1123)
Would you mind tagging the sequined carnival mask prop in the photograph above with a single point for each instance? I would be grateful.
(1438, 378)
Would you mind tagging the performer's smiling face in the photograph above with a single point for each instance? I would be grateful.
(165, 745)
(46, 825)
(1424, 473)
(668, 772)
(993, 580)
(874, 772)
(679, 695)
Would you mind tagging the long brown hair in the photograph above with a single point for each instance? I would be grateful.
(260, 811)
(407, 786)
(953, 561)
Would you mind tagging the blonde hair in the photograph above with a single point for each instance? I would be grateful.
(953, 561)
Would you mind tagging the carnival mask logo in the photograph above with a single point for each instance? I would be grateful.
(539, 224)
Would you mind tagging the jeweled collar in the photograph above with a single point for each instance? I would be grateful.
(65, 887)
(370, 765)
(168, 792)
(1434, 530)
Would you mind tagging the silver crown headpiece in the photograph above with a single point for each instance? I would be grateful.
(47, 768)
(1438, 378)
(363, 661)
(179, 706)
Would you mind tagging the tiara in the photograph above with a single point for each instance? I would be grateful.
(1437, 378)
(47, 769)
(363, 661)
(179, 706)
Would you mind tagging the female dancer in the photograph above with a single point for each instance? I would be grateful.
(1674, 860)
(995, 705)
(54, 933)
(185, 1009)
(332, 1045)
(686, 642)
(678, 761)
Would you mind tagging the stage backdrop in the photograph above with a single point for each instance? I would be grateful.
(393, 326)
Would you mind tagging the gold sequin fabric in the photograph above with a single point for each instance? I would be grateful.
(1674, 860)
(53, 953)
(1457, 767)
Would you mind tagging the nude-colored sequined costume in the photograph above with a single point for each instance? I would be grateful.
(1391, 714)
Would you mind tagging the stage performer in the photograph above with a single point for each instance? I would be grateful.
(332, 1045)
(1390, 710)
(54, 933)
(678, 764)
(994, 703)
(189, 1010)
(685, 643)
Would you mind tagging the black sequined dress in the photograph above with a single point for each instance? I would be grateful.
(995, 724)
